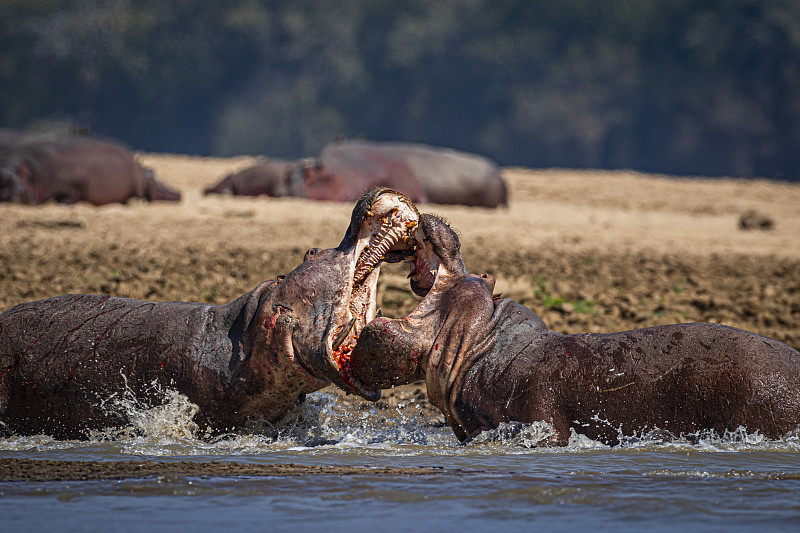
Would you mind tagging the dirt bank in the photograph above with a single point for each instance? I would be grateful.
(588, 251)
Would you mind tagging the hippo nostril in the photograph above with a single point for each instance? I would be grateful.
(311, 253)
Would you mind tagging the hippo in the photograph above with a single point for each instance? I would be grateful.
(64, 360)
(308, 178)
(343, 170)
(268, 177)
(429, 174)
(488, 360)
(70, 169)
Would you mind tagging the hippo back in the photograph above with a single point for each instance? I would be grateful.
(423, 173)
(453, 177)
(66, 361)
(348, 169)
(682, 378)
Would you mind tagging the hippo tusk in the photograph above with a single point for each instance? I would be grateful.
(343, 334)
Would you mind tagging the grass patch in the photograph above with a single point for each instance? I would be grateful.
(540, 291)
(211, 295)
(585, 307)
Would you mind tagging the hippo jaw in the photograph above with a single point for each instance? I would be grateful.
(386, 233)
(437, 259)
(332, 295)
(396, 351)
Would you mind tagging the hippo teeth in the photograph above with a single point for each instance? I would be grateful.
(386, 234)
(374, 253)
(343, 334)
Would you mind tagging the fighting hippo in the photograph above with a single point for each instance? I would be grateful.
(75, 168)
(64, 359)
(487, 360)
(269, 177)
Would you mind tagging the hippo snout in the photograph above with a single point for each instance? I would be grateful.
(382, 357)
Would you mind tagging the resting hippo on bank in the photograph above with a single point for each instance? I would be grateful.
(268, 177)
(343, 170)
(64, 359)
(71, 169)
(422, 172)
(488, 360)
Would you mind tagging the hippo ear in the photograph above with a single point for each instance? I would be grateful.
(24, 171)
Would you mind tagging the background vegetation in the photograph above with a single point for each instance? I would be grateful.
(675, 86)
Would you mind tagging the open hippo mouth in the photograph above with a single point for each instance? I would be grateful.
(437, 255)
(424, 266)
(388, 225)
(389, 351)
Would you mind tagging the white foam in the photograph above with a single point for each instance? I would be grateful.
(541, 435)
(172, 417)
(166, 427)
(534, 435)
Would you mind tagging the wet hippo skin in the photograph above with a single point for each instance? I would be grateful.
(489, 360)
(65, 360)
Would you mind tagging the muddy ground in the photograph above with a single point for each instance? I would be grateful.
(44, 470)
(588, 251)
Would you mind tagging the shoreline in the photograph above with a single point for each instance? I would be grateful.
(39, 470)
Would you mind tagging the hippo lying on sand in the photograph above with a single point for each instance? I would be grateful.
(270, 177)
(344, 170)
(489, 360)
(63, 358)
(430, 174)
(309, 178)
(70, 169)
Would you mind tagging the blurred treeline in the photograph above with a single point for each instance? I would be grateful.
(706, 87)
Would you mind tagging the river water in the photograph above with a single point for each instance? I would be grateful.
(505, 482)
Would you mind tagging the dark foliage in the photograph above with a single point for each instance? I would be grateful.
(683, 87)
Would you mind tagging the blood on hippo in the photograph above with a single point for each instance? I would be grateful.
(488, 360)
(254, 358)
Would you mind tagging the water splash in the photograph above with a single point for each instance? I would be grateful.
(323, 420)
(172, 416)
(163, 425)
(534, 435)
(542, 434)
